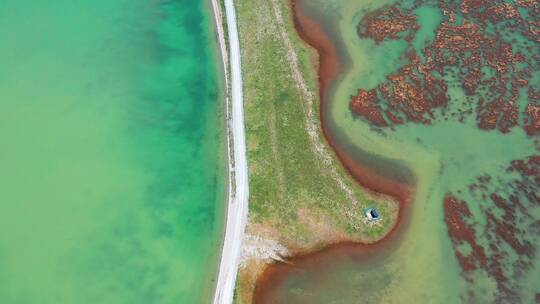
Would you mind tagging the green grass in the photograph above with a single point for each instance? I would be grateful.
(285, 172)
(287, 177)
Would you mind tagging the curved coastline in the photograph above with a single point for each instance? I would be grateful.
(429, 256)
(399, 184)
(330, 67)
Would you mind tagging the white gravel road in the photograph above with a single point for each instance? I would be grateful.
(238, 199)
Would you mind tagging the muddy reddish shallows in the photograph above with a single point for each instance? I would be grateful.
(388, 23)
(362, 169)
(330, 66)
(418, 93)
(521, 195)
(481, 55)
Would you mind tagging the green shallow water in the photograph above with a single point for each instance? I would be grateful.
(446, 157)
(112, 167)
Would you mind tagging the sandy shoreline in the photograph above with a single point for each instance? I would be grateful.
(238, 191)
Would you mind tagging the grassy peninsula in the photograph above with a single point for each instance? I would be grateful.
(297, 199)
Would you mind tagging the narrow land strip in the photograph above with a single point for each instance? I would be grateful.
(311, 120)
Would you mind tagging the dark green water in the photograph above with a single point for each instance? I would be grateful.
(112, 168)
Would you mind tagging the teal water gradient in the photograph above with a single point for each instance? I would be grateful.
(112, 168)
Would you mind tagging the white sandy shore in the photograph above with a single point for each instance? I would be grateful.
(237, 205)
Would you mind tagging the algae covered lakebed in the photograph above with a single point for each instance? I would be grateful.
(112, 167)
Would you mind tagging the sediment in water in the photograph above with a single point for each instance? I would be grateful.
(377, 175)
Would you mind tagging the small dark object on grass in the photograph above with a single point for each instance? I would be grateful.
(372, 214)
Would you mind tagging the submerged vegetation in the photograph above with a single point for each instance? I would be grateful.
(451, 89)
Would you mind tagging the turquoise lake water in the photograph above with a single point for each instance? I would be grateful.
(112, 159)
